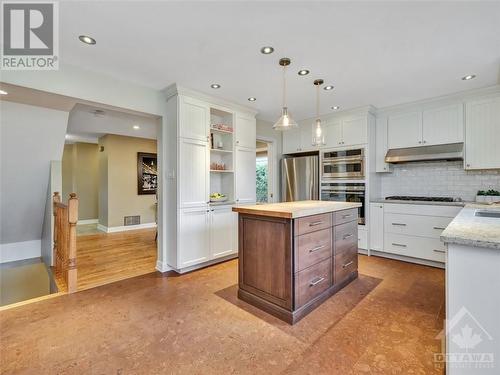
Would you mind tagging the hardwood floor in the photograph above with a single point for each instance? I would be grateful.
(384, 322)
(107, 257)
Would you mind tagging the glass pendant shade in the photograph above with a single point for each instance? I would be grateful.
(285, 122)
(318, 138)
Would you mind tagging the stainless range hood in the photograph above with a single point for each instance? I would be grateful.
(452, 151)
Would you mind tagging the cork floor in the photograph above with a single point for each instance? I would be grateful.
(385, 322)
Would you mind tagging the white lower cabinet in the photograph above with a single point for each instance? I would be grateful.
(222, 223)
(410, 230)
(376, 226)
(362, 239)
(193, 237)
(205, 233)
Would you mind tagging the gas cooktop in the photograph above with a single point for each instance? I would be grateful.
(424, 199)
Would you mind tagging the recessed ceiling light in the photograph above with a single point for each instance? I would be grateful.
(215, 86)
(303, 72)
(468, 77)
(87, 39)
(328, 88)
(252, 99)
(267, 50)
(136, 127)
(3, 92)
(335, 107)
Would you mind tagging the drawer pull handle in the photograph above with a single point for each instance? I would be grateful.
(439, 228)
(316, 223)
(347, 236)
(399, 224)
(398, 244)
(346, 216)
(314, 249)
(347, 264)
(439, 251)
(317, 281)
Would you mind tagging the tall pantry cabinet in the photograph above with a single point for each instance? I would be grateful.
(215, 153)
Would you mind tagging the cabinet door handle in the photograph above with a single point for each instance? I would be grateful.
(347, 264)
(398, 244)
(419, 142)
(439, 228)
(316, 281)
(346, 216)
(399, 224)
(346, 236)
(316, 223)
(314, 249)
(439, 251)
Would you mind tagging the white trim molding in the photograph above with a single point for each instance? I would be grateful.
(87, 221)
(14, 251)
(162, 266)
(124, 228)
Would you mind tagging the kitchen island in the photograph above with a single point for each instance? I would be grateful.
(295, 255)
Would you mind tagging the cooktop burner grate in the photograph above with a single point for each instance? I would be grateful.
(424, 199)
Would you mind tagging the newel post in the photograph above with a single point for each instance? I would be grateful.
(73, 219)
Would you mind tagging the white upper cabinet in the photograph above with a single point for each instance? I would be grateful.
(381, 145)
(482, 134)
(443, 125)
(245, 130)
(433, 126)
(222, 222)
(354, 131)
(291, 141)
(245, 177)
(404, 130)
(193, 240)
(193, 173)
(194, 119)
(333, 133)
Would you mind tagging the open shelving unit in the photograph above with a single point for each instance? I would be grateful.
(221, 152)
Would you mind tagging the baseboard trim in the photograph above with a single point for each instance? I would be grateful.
(125, 228)
(205, 264)
(163, 267)
(14, 251)
(403, 258)
(87, 221)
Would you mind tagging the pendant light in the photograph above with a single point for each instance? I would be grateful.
(318, 138)
(285, 122)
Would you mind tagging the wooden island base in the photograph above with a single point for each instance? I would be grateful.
(288, 266)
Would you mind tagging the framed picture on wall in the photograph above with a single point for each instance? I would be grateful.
(147, 173)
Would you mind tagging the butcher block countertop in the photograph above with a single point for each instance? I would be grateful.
(293, 210)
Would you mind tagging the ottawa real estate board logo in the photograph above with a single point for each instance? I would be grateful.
(30, 39)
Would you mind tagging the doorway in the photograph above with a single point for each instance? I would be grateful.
(265, 171)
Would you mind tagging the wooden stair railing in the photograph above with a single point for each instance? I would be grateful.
(65, 219)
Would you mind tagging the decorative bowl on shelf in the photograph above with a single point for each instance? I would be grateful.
(218, 197)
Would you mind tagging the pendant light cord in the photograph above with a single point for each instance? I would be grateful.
(284, 86)
(317, 102)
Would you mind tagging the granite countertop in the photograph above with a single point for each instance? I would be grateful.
(293, 210)
(468, 229)
(382, 200)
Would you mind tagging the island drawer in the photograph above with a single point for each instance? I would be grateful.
(312, 223)
(345, 216)
(345, 237)
(310, 248)
(345, 263)
(312, 281)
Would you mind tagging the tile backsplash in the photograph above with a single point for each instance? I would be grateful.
(442, 179)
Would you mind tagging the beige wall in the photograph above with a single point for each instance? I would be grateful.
(80, 175)
(120, 157)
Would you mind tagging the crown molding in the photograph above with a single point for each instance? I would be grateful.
(175, 89)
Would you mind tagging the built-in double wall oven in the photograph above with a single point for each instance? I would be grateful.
(343, 164)
(345, 192)
(342, 178)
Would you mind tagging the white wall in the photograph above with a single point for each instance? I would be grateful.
(55, 184)
(30, 137)
(438, 179)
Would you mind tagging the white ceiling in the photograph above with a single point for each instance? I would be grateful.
(85, 126)
(379, 53)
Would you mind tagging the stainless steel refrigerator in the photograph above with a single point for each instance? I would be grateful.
(300, 178)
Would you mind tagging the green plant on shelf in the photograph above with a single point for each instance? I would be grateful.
(490, 193)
